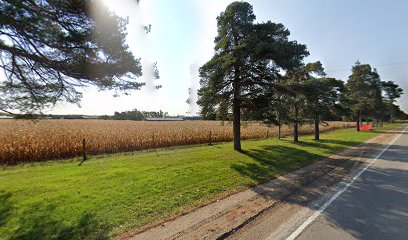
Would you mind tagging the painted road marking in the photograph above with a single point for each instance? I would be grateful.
(302, 227)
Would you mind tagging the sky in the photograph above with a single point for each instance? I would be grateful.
(337, 33)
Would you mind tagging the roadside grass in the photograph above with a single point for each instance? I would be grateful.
(109, 195)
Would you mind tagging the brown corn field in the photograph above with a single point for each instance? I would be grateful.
(30, 141)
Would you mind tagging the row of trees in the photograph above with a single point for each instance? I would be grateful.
(259, 74)
(50, 49)
(137, 115)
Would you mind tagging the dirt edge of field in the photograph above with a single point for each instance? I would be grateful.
(221, 218)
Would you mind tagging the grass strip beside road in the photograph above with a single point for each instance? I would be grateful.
(109, 195)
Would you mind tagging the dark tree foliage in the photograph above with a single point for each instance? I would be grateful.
(303, 95)
(364, 92)
(137, 115)
(398, 113)
(248, 56)
(296, 89)
(50, 48)
(369, 97)
(322, 99)
(391, 92)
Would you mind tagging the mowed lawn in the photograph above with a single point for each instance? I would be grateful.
(108, 195)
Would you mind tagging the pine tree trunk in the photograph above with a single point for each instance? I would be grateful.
(296, 133)
(317, 130)
(279, 131)
(358, 123)
(236, 102)
(236, 111)
(296, 126)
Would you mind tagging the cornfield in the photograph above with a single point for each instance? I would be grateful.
(30, 141)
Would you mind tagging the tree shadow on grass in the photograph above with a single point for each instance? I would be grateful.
(40, 221)
(5, 207)
(272, 160)
(373, 207)
(327, 143)
(331, 146)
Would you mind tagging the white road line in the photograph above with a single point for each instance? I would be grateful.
(302, 227)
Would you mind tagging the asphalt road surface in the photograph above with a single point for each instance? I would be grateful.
(359, 193)
(374, 206)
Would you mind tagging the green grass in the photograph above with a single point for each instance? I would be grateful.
(109, 195)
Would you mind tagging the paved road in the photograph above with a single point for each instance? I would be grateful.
(375, 206)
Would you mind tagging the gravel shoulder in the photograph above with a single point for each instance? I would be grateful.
(280, 202)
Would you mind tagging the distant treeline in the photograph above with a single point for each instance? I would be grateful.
(136, 115)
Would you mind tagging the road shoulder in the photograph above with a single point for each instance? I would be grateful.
(274, 203)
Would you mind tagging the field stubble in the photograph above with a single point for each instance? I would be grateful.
(31, 141)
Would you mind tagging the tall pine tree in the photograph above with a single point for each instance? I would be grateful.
(248, 56)
(363, 92)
